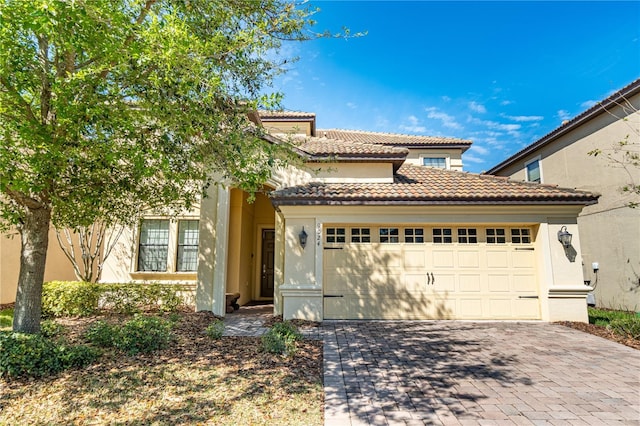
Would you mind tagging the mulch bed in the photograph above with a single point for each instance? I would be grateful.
(602, 332)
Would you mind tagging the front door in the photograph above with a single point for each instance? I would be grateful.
(268, 253)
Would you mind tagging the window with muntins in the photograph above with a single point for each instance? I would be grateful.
(154, 245)
(520, 236)
(188, 234)
(467, 235)
(438, 162)
(389, 235)
(414, 235)
(442, 235)
(336, 235)
(360, 235)
(496, 236)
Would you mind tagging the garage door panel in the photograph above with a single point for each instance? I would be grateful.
(500, 308)
(443, 258)
(415, 283)
(523, 259)
(415, 259)
(527, 308)
(499, 283)
(468, 259)
(525, 283)
(444, 282)
(497, 259)
(469, 308)
(469, 283)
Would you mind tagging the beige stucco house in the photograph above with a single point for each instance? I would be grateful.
(609, 230)
(372, 226)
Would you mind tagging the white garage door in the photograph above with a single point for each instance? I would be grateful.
(397, 272)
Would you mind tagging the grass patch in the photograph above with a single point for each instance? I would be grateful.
(603, 317)
(194, 380)
(6, 318)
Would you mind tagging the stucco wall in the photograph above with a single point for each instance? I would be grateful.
(453, 156)
(610, 232)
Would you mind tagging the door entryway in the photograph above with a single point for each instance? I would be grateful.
(267, 262)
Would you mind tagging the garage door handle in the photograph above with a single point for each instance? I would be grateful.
(527, 297)
(525, 249)
(431, 279)
(333, 295)
(333, 248)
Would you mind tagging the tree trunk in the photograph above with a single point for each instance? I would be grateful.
(34, 233)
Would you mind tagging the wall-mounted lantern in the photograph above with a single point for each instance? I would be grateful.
(564, 237)
(302, 237)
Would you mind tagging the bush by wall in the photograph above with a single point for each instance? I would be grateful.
(74, 298)
(142, 334)
(281, 338)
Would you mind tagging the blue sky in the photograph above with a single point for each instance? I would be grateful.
(502, 74)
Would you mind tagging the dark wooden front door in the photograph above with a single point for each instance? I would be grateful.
(268, 253)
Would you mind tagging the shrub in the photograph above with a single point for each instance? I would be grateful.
(6, 318)
(627, 327)
(51, 329)
(281, 338)
(142, 334)
(70, 298)
(33, 355)
(603, 317)
(215, 330)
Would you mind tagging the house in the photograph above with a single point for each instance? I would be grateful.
(609, 230)
(372, 226)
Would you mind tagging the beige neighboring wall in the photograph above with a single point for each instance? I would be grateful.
(58, 267)
(610, 231)
(453, 156)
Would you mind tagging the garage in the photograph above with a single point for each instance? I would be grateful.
(429, 272)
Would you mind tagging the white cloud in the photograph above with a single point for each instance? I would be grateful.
(505, 102)
(413, 126)
(446, 99)
(479, 149)
(564, 114)
(524, 118)
(494, 125)
(472, 159)
(588, 104)
(352, 105)
(446, 119)
(474, 106)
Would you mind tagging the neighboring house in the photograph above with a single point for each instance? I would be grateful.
(609, 230)
(372, 226)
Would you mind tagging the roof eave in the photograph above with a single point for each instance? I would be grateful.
(295, 201)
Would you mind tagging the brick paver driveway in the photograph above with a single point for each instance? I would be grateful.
(450, 372)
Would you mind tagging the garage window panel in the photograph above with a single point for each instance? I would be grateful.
(442, 236)
(496, 236)
(414, 235)
(389, 235)
(360, 235)
(520, 236)
(336, 235)
(467, 236)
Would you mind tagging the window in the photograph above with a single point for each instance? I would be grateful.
(438, 162)
(188, 233)
(467, 235)
(389, 235)
(496, 236)
(442, 235)
(414, 235)
(360, 235)
(154, 245)
(168, 246)
(336, 235)
(532, 170)
(520, 236)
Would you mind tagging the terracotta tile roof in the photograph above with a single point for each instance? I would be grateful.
(285, 114)
(430, 186)
(393, 139)
(601, 107)
(325, 148)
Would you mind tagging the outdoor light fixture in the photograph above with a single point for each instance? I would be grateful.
(564, 237)
(302, 236)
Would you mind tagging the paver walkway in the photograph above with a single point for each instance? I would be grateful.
(451, 372)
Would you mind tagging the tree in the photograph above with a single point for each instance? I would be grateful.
(111, 106)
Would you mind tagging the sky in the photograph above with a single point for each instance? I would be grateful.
(502, 74)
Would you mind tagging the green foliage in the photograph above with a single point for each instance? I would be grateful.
(76, 298)
(603, 317)
(34, 355)
(6, 318)
(215, 330)
(142, 334)
(626, 327)
(70, 298)
(51, 330)
(281, 338)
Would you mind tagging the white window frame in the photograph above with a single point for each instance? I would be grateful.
(172, 250)
(537, 159)
(447, 161)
